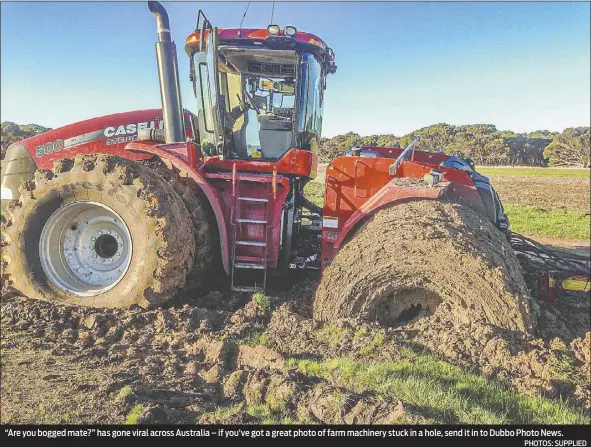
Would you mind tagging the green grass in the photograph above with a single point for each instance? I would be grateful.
(510, 171)
(375, 342)
(315, 193)
(134, 415)
(262, 302)
(267, 416)
(223, 414)
(331, 335)
(257, 340)
(124, 392)
(442, 391)
(558, 223)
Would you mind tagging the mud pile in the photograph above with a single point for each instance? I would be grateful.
(427, 258)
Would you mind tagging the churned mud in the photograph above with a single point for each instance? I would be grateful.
(184, 364)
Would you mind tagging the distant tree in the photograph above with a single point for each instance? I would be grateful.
(570, 148)
(484, 143)
(12, 132)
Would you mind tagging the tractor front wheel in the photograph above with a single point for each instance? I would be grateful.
(99, 231)
(419, 258)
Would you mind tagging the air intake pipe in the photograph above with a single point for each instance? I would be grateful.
(168, 75)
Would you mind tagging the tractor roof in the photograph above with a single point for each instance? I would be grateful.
(261, 36)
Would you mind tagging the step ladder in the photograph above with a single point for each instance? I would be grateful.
(240, 238)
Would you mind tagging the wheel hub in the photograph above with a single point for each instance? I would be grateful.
(85, 248)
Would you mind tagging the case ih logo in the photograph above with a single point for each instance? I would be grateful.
(127, 129)
(114, 135)
(128, 132)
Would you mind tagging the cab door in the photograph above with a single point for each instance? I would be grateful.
(207, 89)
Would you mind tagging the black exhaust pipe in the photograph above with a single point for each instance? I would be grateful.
(168, 75)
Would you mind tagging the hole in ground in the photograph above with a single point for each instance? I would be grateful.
(404, 305)
(409, 313)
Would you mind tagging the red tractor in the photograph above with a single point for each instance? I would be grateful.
(135, 207)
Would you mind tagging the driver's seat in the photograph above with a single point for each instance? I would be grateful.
(275, 135)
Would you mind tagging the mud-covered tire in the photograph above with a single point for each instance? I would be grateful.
(409, 259)
(158, 223)
(206, 259)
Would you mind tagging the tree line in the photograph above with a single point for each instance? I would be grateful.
(483, 143)
(12, 132)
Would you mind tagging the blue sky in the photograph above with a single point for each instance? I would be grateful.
(401, 66)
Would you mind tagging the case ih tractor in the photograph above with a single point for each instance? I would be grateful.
(134, 208)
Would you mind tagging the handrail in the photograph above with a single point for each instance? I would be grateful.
(403, 156)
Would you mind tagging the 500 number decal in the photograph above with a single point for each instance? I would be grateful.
(49, 148)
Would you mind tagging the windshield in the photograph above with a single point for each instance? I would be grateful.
(261, 122)
(269, 101)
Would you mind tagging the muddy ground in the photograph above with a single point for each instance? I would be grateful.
(185, 363)
(544, 192)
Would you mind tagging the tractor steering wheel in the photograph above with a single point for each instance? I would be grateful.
(251, 102)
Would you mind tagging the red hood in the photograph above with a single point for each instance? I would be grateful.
(104, 134)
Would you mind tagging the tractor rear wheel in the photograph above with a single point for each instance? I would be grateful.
(207, 258)
(418, 258)
(100, 231)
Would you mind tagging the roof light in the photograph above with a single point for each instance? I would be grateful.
(290, 30)
(273, 29)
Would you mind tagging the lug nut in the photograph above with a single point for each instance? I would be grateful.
(118, 254)
(93, 238)
(109, 231)
(100, 232)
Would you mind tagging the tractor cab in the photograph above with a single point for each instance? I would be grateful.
(259, 92)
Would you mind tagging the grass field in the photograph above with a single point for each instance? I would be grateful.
(442, 391)
(510, 171)
(555, 223)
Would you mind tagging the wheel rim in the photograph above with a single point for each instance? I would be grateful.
(85, 248)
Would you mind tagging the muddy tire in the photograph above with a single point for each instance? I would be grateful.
(415, 259)
(207, 256)
(98, 231)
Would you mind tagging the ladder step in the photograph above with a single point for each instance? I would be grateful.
(253, 243)
(252, 199)
(248, 289)
(249, 265)
(254, 221)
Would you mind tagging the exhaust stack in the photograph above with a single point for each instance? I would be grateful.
(168, 75)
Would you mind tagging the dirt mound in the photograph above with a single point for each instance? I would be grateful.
(423, 258)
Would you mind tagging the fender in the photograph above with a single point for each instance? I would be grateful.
(167, 152)
(105, 134)
(392, 194)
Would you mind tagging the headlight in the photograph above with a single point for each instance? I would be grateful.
(290, 30)
(273, 29)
